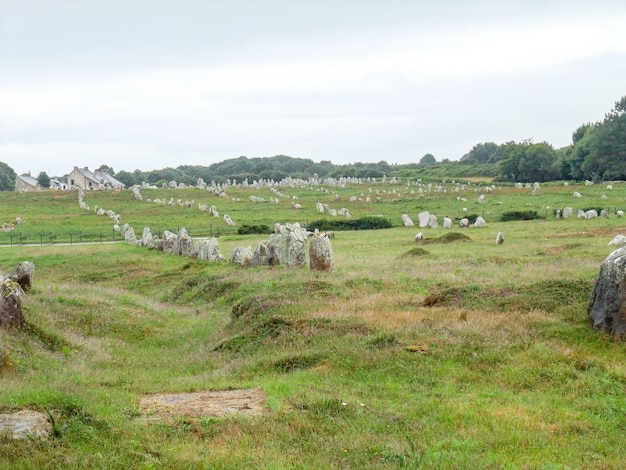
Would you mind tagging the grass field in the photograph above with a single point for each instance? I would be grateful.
(446, 354)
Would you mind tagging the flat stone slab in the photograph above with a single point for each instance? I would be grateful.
(24, 424)
(218, 403)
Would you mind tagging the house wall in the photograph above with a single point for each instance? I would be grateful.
(21, 185)
(77, 179)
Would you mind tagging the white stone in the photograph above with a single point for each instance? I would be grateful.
(432, 221)
(480, 222)
(407, 221)
(618, 240)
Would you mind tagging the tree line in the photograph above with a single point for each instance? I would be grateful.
(597, 152)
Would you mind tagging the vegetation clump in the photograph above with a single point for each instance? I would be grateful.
(417, 251)
(519, 215)
(364, 223)
(260, 229)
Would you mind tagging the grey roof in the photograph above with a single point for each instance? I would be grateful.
(29, 180)
(89, 175)
(107, 178)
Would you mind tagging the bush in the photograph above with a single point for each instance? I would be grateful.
(365, 223)
(519, 215)
(254, 229)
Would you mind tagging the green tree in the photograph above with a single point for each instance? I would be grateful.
(43, 179)
(607, 158)
(428, 159)
(106, 169)
(525, 161)
(480, 153)
(7, 177)
(126, 177)
(582, 159)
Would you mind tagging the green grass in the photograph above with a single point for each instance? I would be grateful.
(466, 354)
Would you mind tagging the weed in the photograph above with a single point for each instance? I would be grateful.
(297, 362)
(383, 340)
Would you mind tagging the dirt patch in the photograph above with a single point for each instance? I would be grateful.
(215, 403)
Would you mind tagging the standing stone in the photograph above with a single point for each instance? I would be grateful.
(183, 245)
(25, 273)
(618, 240)
(242, 255)
(447, 222)
(169, 238)
(11, 305)
(608, 300)
(500, 238)
(130, 237)
(287, 246)
(262, 255)
(424, 218)
(464, 222)
(208, 249)
(407, 221)
(480, 222)
(296, 249)
(155, 244)
(321, 255)
(146, 237)
(432, 221)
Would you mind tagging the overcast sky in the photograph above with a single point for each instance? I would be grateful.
(147, 84)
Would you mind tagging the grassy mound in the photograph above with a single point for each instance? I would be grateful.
(417, 251)
(451, 237)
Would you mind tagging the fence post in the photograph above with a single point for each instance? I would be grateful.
(71, 239)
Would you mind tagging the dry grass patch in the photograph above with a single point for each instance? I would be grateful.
(217, 403)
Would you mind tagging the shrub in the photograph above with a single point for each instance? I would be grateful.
(364, 223)
(519, 215)
(254, 229)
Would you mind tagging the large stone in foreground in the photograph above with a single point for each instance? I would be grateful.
(321, 255)
(25, 424)
(25, 273)
(11, 305)
(607, 305)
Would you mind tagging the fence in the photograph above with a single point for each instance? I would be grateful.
(21, 237)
